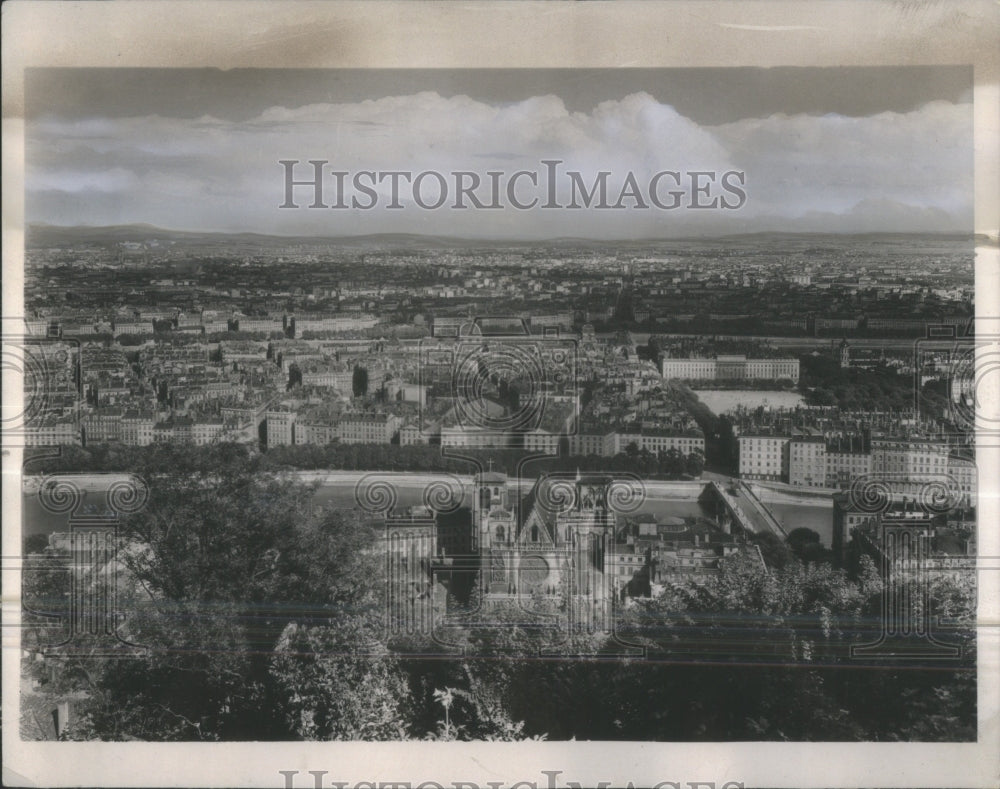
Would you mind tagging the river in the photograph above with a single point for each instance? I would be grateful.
(794, 510)
(340, 489)
(675, 498)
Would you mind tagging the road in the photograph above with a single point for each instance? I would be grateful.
(757, 512)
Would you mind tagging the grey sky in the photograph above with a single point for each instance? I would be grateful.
(838, 149)
(705, 95)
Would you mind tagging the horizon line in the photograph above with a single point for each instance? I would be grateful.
(515, 240)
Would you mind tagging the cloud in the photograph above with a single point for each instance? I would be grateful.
(830, 163)
(904, 170)
(871, 216)
(115, 179)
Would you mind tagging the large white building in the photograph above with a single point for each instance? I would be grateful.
(132, 327)
(333, 323)
(909, 464)
(316, 431)
(52, 431)
(410, 434)
(329, 377)
(368, 428)
(807, 461)
(137, 428)
(764, 457)
(846, 464)
(102, 425)
(264, 325)
(280, 426)
(205, 431)
(730, 367)
(906, 465)
(613, 442)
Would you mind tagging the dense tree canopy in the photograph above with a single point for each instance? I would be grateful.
(824, 382)
(670, 464)
(262, 618)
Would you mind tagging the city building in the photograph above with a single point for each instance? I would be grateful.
(137, 428)
(764, 456)
(538, 547)
(52, 430)
(280, 420)
(729, 367)
(364, 428)
(807, 461)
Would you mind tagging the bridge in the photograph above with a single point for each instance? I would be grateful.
(737, 505)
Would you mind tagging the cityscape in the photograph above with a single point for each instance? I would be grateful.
(531, 431)
(498, 405)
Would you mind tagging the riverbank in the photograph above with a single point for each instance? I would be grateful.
(345, 488)
(780, 492)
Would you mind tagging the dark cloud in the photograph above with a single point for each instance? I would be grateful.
(706, 95)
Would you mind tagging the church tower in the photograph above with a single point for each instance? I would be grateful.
(495, 533)
(492, 519)
(588, 529)
(845, 354)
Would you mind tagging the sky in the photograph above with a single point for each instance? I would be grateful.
(823, 149)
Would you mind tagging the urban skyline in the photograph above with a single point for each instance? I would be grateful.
(628, 455)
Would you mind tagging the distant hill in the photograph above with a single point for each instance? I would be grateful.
(44, 235)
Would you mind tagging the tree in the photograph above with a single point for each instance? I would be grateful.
(227, 563)
(35, 543)
(775, 552)
(806, 545)
(780, 640)
(672, 462)
(695, 463)
(798, 538)
(726, 445)
(494, 692)
(263, 621)
(359, 381)
(338, 682)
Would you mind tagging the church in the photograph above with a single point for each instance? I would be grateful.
(556, 543)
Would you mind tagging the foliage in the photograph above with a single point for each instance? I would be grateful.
(337, 682)
(824, 382)
(807, 546)
(765, 654)
(153, 459)
(262, 618)
(774, 552)
(359, 381)
(225, 563)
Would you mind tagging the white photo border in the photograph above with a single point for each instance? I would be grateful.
(240, 33)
